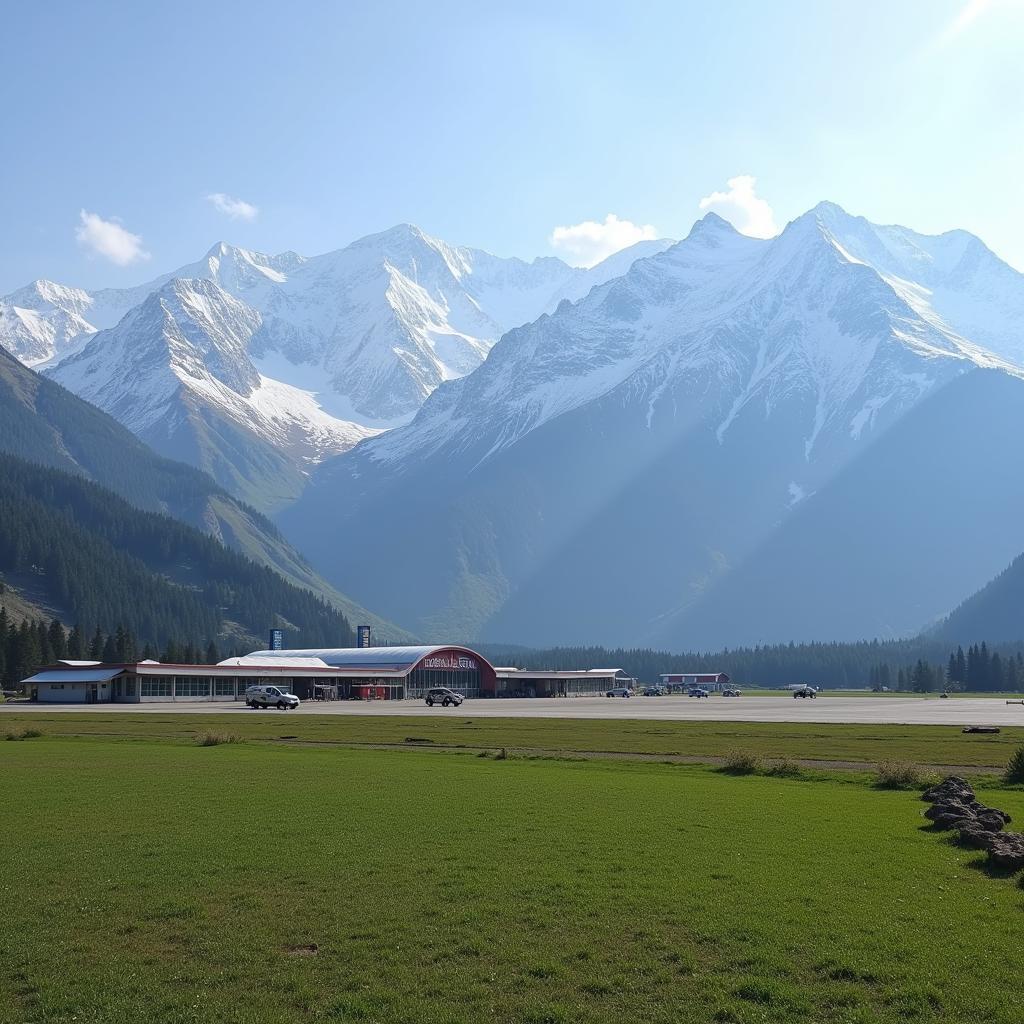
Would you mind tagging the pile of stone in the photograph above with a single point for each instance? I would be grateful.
(954, 807)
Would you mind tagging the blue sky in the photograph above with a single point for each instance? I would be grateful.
(494, 125)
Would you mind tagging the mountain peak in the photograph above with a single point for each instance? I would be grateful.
(711, 231)
(218, 250)
(826, 208)
(712, 222)
(399, 233)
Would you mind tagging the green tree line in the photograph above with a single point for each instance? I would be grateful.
(27, 646)
(923, 664)
(104, 564)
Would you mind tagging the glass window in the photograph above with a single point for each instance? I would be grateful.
(192, 686)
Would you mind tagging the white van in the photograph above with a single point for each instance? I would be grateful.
(270, 697)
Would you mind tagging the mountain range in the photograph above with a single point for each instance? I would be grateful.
(720, 441)
(255, 368)
(737, 441)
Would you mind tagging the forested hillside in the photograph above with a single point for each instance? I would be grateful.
(996, 612)
(42, 422)
(95, 561)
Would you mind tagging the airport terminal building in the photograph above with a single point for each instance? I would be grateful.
(369, 673)
(348, 673)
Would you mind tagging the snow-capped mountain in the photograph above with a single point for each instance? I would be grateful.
(43, 320)
(384, 321)
(371, 329)
(176, 371)
(292, 359)
(632, 468)
(952, 280)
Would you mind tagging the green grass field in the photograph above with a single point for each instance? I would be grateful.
(165, 882)
(921, 744)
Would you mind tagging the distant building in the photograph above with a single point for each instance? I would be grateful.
(517, 682)
(686, 680)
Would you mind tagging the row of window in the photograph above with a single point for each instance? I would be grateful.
(184, 686)
(192, 686)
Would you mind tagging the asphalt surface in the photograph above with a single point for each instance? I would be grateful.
(837, 710)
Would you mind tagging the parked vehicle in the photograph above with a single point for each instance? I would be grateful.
(270, 697)
(732, 692)
(697, 691)
(443, 696)
(653, 691)
(805, 691)
(619, 691)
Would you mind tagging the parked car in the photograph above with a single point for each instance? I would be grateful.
(653, 691)
(619, 691)
(732, 692)
(805, 691)
(270, 697)
(443, 696)
(697, 691)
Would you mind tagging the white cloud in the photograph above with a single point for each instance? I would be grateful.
(236, 209)
(743, 207)
(107, 238)
(590, 241)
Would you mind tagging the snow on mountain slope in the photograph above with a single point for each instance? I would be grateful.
(952, 280)
(376, 325)
(393, 315)
(176, 371)
(610, 464)
(43, 321)
(766, 319)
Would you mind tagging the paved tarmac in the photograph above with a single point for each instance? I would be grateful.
(863, 710)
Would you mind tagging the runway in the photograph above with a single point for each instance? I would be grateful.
(856, 710)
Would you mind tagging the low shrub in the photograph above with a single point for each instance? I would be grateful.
(1015, 769)
(740, 762)
(785, 769)
(215, 739)
(23, 734)
(897, 775)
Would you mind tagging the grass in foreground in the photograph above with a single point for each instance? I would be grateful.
(171, 882)
(867, 744)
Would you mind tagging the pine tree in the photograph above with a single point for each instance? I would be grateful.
(58, 640)
(26, 652)
(109, 652)
(96, 645)
(212, 655)
(1011, 677)
(76, 644)
(984, 667)
(995, 672)
(46, 655)
(4, 645)
(961, 666)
